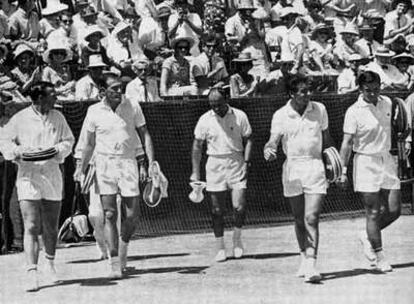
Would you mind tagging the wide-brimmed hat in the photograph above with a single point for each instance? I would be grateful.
(140, 63)
(93, 29)
(383, 52)
(355, 57)
(164, 11)
(243, 58)
(320, 28)
(288, 10)
(350, 28)
(404, 55)
(181, 38)
(22, 48)
(120, 26)
(245, 5)
(53, 7)
(55, 45)
(95, 61)
(260, 14)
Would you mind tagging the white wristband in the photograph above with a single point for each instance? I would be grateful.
(344, 170)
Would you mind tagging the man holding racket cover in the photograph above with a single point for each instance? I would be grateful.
(111, 134)
(302, 126)
(38, 139)
(227, 133)
(367, 132)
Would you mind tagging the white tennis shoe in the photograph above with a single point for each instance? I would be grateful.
(312, 275)
(302, 268)
(238, 252)
(32, 281)
(115, 271)
(367, 248)
(221, 256)
(382, 263)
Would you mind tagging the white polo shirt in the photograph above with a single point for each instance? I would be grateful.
(301, 135)
(115, 131)
(224, 135)
(370, 125)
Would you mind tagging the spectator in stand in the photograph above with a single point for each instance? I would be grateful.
(346, 46)
(9, 7)
(281, 4)
(209, 69)
(24, 22)
(153, 31)
(51, 17)
(4, 24)
(345, 12)
(396, 22)
(242, 84)
(274, 37)
(183, 23)
(315, 13)
(383, 67)
(144, 88)
(373, 13)
(8, 88)
(321, 49)
(94, 46)
(146, 8)
(277, 80)
(347, 79)
(176, 70)
(403, 80)
(58, 70)
(88, 87)
(65, 31)
(25, 73)
(366, 45)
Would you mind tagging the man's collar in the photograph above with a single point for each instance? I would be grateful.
(229, 111)
(362, 103)
(292, 112)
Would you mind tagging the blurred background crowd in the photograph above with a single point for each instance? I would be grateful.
(174, 48)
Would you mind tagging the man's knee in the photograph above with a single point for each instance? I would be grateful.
(373, 215)
(239, 216)
(110, 215)
(312, 219)
(32, 228)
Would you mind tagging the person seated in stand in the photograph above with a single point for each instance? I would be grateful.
(51, 17)
(347, 79)
(242, 84)
(24, 23)
(367, 46)
(315, 15)
(94, 46)
(209, 69)
(404, 79)
(396, 22)
(143, 88)
(346, 46)
(9, 89)
(176, 70)
(277, 80)
(321, 49)
(65, 31)
(89, 86)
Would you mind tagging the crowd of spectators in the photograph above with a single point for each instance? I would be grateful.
(174, 48)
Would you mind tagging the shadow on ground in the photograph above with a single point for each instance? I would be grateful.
(133, 258)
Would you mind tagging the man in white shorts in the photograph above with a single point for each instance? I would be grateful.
(367, 132)
(111, 127)
(39, 183)
(302, 126)
(227, 131)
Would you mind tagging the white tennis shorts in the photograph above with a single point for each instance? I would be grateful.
(372, 173)
(225, 172)
(304, 175)
(115, 174)
(39, 181)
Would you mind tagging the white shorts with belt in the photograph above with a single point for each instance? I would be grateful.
(225, 172)
(374, 172)
(304, 175)
(116, 174)
(39, 180)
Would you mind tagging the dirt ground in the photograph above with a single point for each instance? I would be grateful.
(180, 269)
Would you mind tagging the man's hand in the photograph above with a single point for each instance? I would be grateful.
(143, 173)
(270, 154)
(78, 175)
(407, 148)
(342, 182)
(245, 170)
(195, 177)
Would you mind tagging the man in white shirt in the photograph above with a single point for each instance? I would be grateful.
(88, 86)
(383, 67)
(396, 22)
(347, 79)
(39, 183)
(226, 131)
(112, 127)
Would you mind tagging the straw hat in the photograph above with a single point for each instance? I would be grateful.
(243, 57)
(245, 5)
(93, 29)
(120, 26)
(178, 39)
(141, 63)
(22, 48)
(321, 27)
(260, 14)
(406, 56)
(95, 61)
(288, 10)
(350, 28)
(55, 45)
(384, 52)
(53, 7)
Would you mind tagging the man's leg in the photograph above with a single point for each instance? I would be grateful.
(32, 227)
(391, 207)
(129, 207)
(239, 201)
(111, 233)
(50, 211)
(372, 203)
(96, 218)
(217, 213)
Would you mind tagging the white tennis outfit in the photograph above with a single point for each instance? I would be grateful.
(303, 170)
(28, 128)
(374, 167)
(224, 137)
(116, 146)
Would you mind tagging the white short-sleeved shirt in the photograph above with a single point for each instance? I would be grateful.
(291, 42)
(224, 135)
(115, 131)
(301, 135)
(370, 125)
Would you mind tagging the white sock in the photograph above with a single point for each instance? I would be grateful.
(220, 243)
(237, 237)
(123, 252)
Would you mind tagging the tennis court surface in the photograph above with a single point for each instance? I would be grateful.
(180, 269)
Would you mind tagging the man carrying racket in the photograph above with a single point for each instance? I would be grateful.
(227, 133)
(367, 132)
(111, 127)
(38, 139)
(302, 126)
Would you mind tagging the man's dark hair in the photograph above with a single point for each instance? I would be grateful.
(313, 4)
(368, 77)
(218, 91)
(294, 81)
(39, 89)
